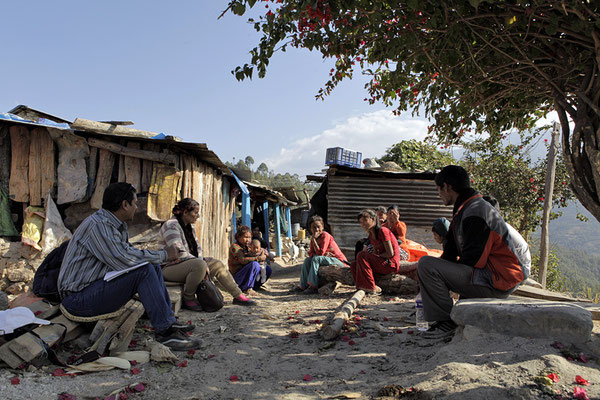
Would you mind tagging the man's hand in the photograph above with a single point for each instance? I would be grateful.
(172, 252)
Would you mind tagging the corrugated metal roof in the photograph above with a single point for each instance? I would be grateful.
(351, 190)
(269, 193)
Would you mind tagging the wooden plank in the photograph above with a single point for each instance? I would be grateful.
(4, 157)
(165, 158)
(35, 167)
(536, 293)
(106, 161)
(121, 177)
(10, 357)
(92, 170)
(43, 310)
(147, 167)
(123, 336)
(133, 168)
(19, 181)
(163, 193)
(48, 164)
(112, 328)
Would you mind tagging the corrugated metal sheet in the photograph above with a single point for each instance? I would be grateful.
(349, 192)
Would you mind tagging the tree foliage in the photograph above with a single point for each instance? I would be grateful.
(413, 155)
(507, 173)
(472, 66)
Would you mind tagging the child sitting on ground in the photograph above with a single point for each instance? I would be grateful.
(256, 251)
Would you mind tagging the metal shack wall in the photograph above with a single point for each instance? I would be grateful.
(418, 201)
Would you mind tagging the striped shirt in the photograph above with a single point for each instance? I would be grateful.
(100, 244)
(171, 233)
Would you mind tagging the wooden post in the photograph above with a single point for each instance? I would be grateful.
(266, 221)
(277, 231)
(550, 173)
(288, 216)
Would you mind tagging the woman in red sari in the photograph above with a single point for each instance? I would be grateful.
(380, 257)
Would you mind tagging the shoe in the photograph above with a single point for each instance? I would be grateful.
(373, 292)
(177, 340)
(247, 302)
(191, 305)
(185, 328)
(310, 290)
(296, 290)
(440, 330)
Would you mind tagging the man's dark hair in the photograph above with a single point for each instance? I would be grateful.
(115, 193)
(455, 176)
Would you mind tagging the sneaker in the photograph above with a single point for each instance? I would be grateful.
(244, 302)
(310, 290)
(191, 305)
(177, 340)
(185, 328)
(440, 330)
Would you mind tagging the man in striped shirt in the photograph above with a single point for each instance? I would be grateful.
(101, 245)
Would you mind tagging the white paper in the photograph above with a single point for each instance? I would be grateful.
(110, 275)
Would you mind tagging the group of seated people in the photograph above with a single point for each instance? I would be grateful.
(482, 257)
(100, 245)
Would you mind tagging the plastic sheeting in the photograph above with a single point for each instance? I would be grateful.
(55, 231)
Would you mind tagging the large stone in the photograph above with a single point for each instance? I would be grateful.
(19, 275)
(527, 318)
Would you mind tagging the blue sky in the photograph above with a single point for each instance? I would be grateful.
(167, 67)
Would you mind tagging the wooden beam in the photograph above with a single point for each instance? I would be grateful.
(35, 167)
(332, 330)
(101, 127)
(133, 168)
(169, 159)
(19, 181)
(106, 162)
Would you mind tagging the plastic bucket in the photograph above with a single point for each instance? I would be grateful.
(295, 229)
(301, 234)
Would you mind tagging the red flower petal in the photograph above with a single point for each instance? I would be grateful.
(38, 312)
(133, 362)
(307, 378)
(580, 393)
(363, 334)
(182, 364)
(580, 381)
(191, 352)
(133, 343)
(410, 331)
(234, 378)
(345, 338)
(362, 372)
(211, 356)
(297, 311)
(351, 342)
(553, 377)
(385, 319)
(583, 358)
(15, 381)
(140, 387)
(135, 371)
(399, 331)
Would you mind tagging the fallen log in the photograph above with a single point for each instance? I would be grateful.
(82, 124)
(331, 330)
(390, 283)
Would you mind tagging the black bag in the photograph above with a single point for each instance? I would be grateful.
(209, 296)
(45, 281)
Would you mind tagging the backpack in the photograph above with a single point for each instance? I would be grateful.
(45, 281)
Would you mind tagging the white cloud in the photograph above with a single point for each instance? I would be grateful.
(370, 133)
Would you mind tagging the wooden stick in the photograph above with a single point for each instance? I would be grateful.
(332, 330)
(164, 158)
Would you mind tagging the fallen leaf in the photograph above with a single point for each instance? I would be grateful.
(234, 378)
(66, 396)
(557, 345)
(15, 381)
(579, 380)
(385, 319)
(294, 334)
(211, 356)
(135, 371)
(357, 318)
(191, 352)
(580, 393)
(399, 331)
(553, 377)
(297, 311)
(363, 334)
(307, 378)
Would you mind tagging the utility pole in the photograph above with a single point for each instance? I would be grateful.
(550, 173)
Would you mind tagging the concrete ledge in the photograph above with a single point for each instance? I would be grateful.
(527, 318)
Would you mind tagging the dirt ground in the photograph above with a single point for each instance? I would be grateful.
(273, 351)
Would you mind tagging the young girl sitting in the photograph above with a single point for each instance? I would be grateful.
(323, 251)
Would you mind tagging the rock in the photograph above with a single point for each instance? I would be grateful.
(19, 274)
(17, 288)
(527, 318)
(3, 301)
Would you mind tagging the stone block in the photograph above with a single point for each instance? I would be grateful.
(19, 274)
(527, 318)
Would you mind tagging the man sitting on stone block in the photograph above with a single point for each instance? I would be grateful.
(479, 259)
(100, 245)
